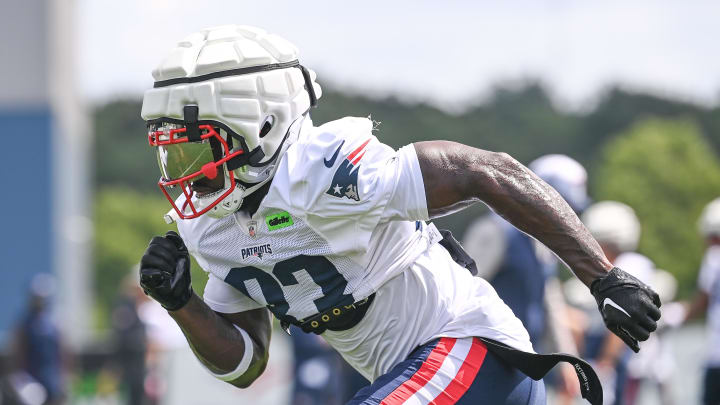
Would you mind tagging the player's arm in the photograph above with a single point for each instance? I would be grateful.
(457, 175)
(217, 340)
(233, 347)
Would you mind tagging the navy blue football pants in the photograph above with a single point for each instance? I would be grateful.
(711, 394)
(452, 371)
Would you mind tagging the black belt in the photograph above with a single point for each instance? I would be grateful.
(338, 318)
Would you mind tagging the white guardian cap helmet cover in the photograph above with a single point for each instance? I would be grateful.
(613, 223)
(709, 223)
(566, 175)
(226, 103)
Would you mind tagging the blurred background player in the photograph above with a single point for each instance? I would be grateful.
(150, 339)
(164, 344)
(38, 348)
(130, 344)
(616, 227)
(707, 299)
(318, 375)
(321, 376)
(523, 271)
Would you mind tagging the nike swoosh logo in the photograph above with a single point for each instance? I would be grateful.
(608, 301)
(331, 162)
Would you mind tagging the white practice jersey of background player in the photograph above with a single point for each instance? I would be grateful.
(709, 283)
(344, 218)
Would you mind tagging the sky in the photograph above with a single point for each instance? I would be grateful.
(447, 53)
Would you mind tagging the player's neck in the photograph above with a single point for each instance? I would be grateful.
(252, 202)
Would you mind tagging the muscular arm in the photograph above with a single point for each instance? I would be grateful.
(218, 344)
(457, 175)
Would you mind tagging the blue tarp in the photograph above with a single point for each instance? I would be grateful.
(27, 229)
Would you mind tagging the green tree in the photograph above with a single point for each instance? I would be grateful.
(666, 170)
(125, 221)
(123, 155)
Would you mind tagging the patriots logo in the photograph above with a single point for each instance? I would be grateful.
(256, 251)
(344, 182)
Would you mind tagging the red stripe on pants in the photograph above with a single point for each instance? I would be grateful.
(423, 375)
(465, 376)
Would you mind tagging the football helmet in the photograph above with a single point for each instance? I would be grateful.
(226, 104)
(709, 223)
(613, 223)
(566, 176)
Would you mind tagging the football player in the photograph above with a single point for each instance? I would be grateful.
(524, 273)
(617, 229)
(706, 299)
(325, 228)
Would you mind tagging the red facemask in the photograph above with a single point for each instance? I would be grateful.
(183, 162)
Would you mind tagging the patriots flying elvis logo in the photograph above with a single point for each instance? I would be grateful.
(344, 182)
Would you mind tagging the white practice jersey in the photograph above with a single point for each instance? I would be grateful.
(343, 219)
(709, 283)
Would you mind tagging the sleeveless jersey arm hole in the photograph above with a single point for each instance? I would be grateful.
(222, 297)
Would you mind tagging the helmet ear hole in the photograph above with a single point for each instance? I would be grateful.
(267, 126)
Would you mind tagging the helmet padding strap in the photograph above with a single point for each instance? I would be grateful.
(237, 162)
(226, 73)
(309, 85)
(190, 116)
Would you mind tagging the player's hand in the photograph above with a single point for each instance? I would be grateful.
(629, 307)
(165, 271)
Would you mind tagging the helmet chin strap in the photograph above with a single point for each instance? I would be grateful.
(234, 200)
(228, 205)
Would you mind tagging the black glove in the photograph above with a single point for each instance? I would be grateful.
(165, 271)
(628, 306)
